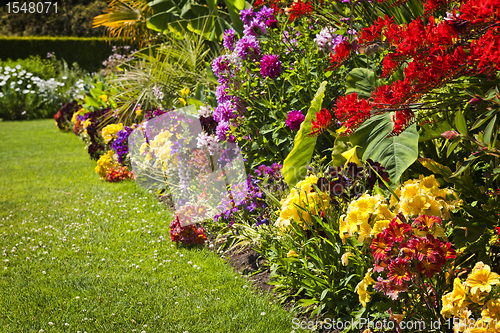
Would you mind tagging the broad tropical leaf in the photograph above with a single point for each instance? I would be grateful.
(295, 164)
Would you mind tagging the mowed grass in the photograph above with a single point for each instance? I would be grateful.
(78, 254)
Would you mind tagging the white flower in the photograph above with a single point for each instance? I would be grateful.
(262, 313)
(157, 93)
(51, 323)
(205, 111)
(18, 67)
(210, 142)
(66, 324)
(44, 272)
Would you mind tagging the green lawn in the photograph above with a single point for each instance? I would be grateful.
(80, 254)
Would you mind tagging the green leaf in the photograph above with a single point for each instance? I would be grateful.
(294, 166)
(461, 123)
(361, 81)
(193, 101)
(233, 8)
(452, 146)
(395, 153)
(489, 130)
(340, 145)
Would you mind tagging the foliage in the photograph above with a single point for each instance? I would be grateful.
(154, 77)
(88, 53)
(24, 95)
(208, 19)
(73, 18)
(126, 21)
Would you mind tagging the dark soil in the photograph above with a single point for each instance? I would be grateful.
(246, 261)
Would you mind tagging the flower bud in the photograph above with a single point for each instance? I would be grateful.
(475, 101)
(450, 135)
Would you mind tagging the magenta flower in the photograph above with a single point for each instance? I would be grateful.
(270, 66)
(294, 119)
(247, 47)
(228, 39)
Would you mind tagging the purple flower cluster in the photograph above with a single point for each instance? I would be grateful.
(255, 28)
(253, 207)
(150, 114)
(270, 66)
(221, 66)
(247, 15)
(294, 119)
(247, 47)
(228, 39)
(230, 109)
(120, 145)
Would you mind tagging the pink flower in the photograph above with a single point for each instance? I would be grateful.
(294, 119)
(450, 135)
(270, 66)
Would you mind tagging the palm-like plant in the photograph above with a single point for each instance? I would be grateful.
(169, 67)
(127, 21)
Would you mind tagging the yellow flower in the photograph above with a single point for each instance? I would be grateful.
(364, 296)
(105, 163)
(138, 111)
(301, 196)
(379, 226)
(482, 278)
(86, 123)
(292, 253)
(350, 156)
(185, 92)
(478, 297)
(182, 101)
(161, 146)
(368, 277)
(110, 132)
(104, 98)
(492, 310)
(345, 258)
(364, 231)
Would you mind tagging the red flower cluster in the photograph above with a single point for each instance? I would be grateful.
(323, 121)
(116, 175)
(435, 54)
(401, 254)
(188, 235)
(341, 53)
(352, 111)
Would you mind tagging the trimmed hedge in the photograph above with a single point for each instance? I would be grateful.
(89, 53)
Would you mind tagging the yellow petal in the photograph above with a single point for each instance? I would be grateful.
(351, 156)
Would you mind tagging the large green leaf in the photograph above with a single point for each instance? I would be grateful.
(362, 81)
(394, 153)
(294, 166)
